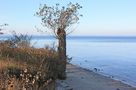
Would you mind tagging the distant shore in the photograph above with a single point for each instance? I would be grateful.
(88, 38)
(82, 79)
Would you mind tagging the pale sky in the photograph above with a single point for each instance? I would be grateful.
(100, 17)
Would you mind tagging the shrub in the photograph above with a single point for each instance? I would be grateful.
(27, 67)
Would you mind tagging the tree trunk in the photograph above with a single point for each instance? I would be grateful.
(62, 53)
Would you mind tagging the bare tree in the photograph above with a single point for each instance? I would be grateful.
(59, 19)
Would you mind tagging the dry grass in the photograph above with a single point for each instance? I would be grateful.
(4, 64)
(26, 67)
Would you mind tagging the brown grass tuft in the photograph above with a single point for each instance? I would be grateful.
(27, 67)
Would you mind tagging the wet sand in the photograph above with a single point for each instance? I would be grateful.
(82, 79)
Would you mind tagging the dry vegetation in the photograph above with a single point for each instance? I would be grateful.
(27, 68)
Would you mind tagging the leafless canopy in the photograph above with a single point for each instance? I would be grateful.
(59, 17)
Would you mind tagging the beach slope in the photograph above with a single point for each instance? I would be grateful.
(82, 79)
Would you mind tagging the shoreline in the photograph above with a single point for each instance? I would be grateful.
(97, 71)
(132, 84)
(79, 78)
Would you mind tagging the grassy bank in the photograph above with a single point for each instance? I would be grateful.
(26, 68)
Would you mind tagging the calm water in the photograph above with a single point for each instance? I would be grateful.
(114, 57)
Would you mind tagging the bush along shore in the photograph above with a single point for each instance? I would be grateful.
(26, 68)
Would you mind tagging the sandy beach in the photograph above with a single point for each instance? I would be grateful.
(82, 79)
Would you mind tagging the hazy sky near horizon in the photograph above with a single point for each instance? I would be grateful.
(100, 17)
